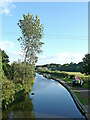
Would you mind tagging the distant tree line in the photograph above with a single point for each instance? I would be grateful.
(72, 67)
(83, 67)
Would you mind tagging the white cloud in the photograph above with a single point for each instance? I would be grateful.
(6, 11)
(18, 52)
(6, 6)
(61, 58)
(6, 45)
(13, 53)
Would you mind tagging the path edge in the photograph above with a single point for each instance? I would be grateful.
(79, 105)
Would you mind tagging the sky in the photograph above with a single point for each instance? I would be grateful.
(65, 30)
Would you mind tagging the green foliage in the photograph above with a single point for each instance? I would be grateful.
(32, 32)
(5, 66)
(72, 67)
(18, 87)
(8, 90)
(20, 95)
(86, 64)
(19, 76)
(22, 72)
(5, 57)
(82, 99)
(62, 74)
(21, 80)
(13, 92)
(7, 70)
(24, 106)
(67, 76)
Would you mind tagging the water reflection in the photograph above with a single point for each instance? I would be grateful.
(22, 109)
(50, 100)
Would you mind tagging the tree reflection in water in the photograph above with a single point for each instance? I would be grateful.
(22, 109)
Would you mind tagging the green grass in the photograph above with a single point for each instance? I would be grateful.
(76, 74)
(89, 99)
(85, 85)
(82, 99)
(79, 74)
(66, 79)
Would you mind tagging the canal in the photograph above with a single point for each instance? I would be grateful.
(50, 100)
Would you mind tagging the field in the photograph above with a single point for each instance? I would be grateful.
(78, 74)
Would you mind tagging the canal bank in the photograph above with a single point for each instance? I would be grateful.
(83, 108)
(50, 100)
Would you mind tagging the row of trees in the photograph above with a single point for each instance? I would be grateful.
(17, 70)
(72, 67)
(19, 76)
(83, 67)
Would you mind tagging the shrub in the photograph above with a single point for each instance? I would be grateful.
(19, 95)
(85, 79)
(72, 76)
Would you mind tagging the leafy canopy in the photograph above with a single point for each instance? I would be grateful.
(86, 64)
(32, 32)
(5, 63)
(5, 57)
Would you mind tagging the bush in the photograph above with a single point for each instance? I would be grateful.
(18, 87)
(15, 78)
(85, 79)
(8, 91)
(11, 93)
(22, 71)
(72, 76)
(19, 95)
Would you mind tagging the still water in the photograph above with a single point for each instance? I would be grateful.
(50, 100)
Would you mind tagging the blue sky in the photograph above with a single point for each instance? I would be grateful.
(65, 30)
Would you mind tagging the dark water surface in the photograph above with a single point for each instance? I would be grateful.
(50, 100)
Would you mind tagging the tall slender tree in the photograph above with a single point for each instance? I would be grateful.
(32, 32)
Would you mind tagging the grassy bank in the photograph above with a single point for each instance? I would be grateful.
(82, 99)
(69, 76)
(68, 80)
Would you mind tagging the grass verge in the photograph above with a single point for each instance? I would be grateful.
(82, 99)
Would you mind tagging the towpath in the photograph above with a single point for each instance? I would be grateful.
(83, 92)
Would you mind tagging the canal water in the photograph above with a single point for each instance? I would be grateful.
(50, 100)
